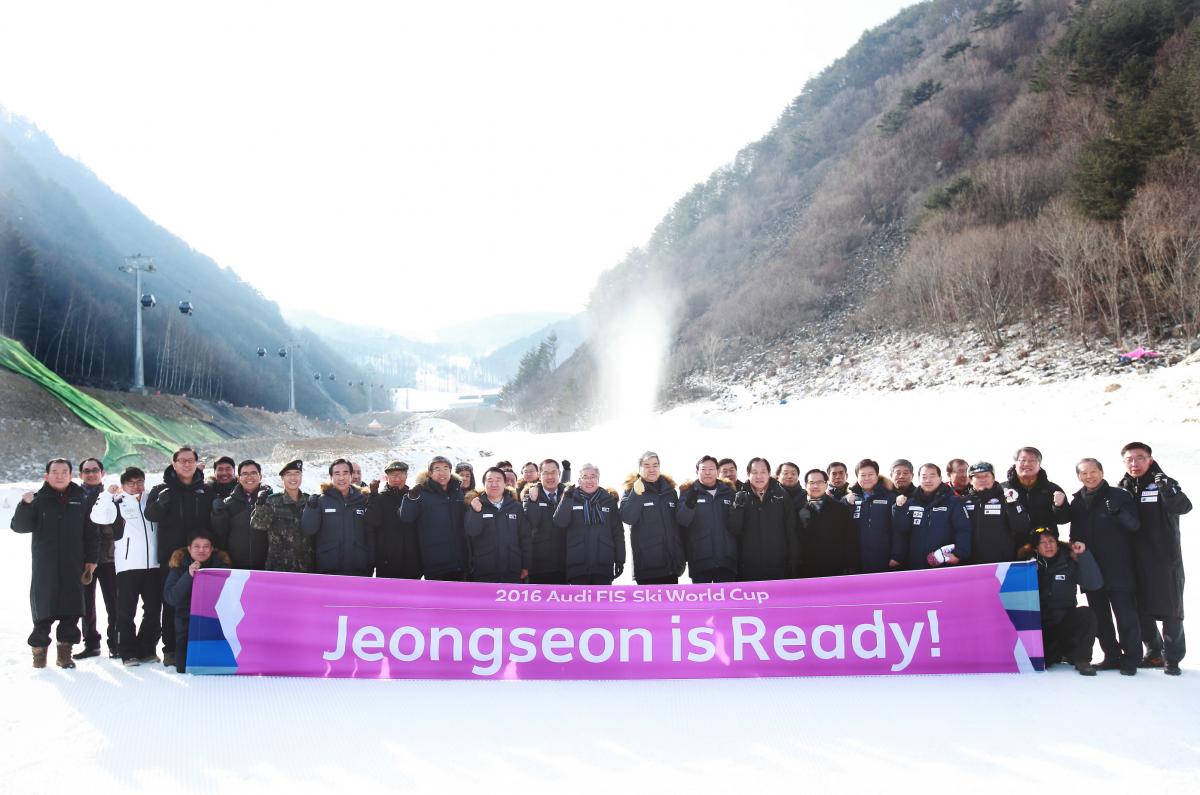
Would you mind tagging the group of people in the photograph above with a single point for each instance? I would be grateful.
(1123, 550)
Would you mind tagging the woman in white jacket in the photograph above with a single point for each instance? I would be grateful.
(136, 559)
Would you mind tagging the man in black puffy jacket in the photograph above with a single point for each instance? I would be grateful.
(397, 551)
(336, 519)
(1105, 519)
(1044, 501)
(999, 525)
(181, 506)
(595, 535)
(1158, 555)
(435, 506)
(540, 500)
(828, 536)
(232, 532)
(703, 518)
(648, 507)
(1068, 631)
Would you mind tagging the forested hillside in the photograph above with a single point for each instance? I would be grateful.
(968, 163)
(63, 234)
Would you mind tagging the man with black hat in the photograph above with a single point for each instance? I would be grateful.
(397, 550)
(1068, 630)
(435, 505)
(288, 548)
(999, 525)
(1159, 556)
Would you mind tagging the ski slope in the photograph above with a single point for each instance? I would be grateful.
(146, 729)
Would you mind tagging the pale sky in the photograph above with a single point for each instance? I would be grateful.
(382, 162)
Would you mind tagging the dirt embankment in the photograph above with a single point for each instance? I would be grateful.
(35, 427)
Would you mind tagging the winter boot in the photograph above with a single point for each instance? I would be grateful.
(1110, 663)
(1085, 668)
(64, 656)
(39, 656)
(1172, 669)
(88, 651)
(1153, 659)
(168, 659)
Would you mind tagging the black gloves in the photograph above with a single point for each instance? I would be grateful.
(263, 493)
(691, 498)
(617, 569)
(805, 515)
(566, 471)
(741, 499)
(163, 500)
(570, 490)
(314, 501)
(1111, 506)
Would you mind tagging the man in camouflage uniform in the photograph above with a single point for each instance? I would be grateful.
(288, 549)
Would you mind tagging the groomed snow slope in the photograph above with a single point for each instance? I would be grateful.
(102, 727)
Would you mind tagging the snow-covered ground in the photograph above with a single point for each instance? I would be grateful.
(145, 729)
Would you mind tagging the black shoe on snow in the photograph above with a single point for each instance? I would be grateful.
(1172, 669)
(1085, 668)
(1128, 670)
(168, 658)
(1110, 664)
(1153, 659)
(87, 652)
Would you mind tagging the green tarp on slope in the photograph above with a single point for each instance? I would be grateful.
(122, 437)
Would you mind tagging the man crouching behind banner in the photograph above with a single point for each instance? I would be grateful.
(185, 562)
(595, 534)
(497, 532)
(1068, 631)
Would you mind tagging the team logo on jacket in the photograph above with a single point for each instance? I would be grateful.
(1150, 494)
(512, 516)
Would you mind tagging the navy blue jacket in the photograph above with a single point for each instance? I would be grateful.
(595, 535)
(438, 514)
(1060, 578)
(1158, 553)
(1108, 526)
(653, 531)
(928, 522)
(338, 527)
(500, 540)
(998, 527)
(705, 527)
(549, 542)
(872, 514)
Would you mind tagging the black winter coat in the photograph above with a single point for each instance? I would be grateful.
(1108, 527)
(653, 531)
(768, 546)
(549, 542)
(1038, 500)
(397, 550)
(928, 522)
(438, 515)
(104, 532)
(186, 512)
(338, 527)
(998, 527)
(709, 542)
(63, 541)
(1158, 554)
(499, 539)
(1060, 578)
(230, 520)
(828, 539)
(872, 514)
(594, 533)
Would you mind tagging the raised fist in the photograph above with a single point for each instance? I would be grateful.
(639, 487)
(314, 501)
(262, 494)
(901, 501)
(114, 489)
(741, 499)
(374, 486)
(690, 499)
(1059, 499)
(476, 505)
(533, 493)
(27, 497)
(1010, 496)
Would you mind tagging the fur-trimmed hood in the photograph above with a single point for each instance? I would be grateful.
(222, 557)
(634, 476)
(884, 481)
(509, 492)
(328, 486)
(524, 492)
(687, 484)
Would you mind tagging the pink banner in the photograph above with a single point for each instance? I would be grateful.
(962, 619)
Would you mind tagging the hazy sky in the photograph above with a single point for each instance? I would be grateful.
(409, 165)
